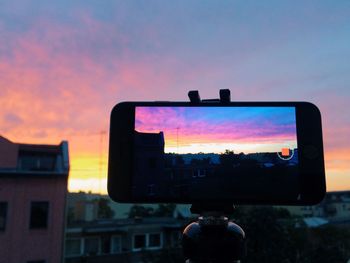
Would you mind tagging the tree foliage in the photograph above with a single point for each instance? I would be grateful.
(104, 210)
(273, 236)
(163, 210)
(140, 211)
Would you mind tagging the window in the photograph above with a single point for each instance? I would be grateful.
(37, 162)
(73, 247)
(154, 240)
(39, 213)
(3, 215)
(175, 238)
(150, 189)
(147, 241)
(201, 173)
(116, 244)
(47, 163)
(91, 246)
(105, 245)
(139, 242)
(36, 261)
(28, 162)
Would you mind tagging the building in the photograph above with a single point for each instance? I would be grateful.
(335, 207)
(83, 207)
(122, 240)
(33, 187)
(148, 168)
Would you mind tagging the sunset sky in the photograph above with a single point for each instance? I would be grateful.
(216, 129)
(65, 64)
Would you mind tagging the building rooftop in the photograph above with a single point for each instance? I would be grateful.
(315, 221)
(122, 225)
(152, 139)
(38, 159)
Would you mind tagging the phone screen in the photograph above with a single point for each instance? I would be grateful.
(198, 153)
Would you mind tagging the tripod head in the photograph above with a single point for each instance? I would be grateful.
(213, 238)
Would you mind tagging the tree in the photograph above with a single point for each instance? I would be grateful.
(268, 238)
(272, 236)
(328, 244)
(165, 210)
(140, 211)
(70, 215)
(104, 210)
(228, 158)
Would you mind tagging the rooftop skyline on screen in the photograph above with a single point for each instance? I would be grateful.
(216, 129)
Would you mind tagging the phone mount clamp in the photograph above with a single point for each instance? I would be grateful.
(225, 97)
(213, 238)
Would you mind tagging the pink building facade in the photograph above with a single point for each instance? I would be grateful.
(33, 189)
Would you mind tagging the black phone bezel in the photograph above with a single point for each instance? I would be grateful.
(310, 153)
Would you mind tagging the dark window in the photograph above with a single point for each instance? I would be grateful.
(37, 162)
(47, 163)
(116, 244)
(3, 215)
(201, 173)
(73, 247)
(105, 245)
(91, 246)
(139, 241)
(39, 213)
(154, 240)
(29, 162)
(36, 261)
(150, 189)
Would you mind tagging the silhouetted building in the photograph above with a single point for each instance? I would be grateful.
(33, 187)
(148, 180)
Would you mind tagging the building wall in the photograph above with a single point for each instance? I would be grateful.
(19, 243)
(128, 253)
(8, 153)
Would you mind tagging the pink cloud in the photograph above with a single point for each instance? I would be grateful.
(61, 79)
(175, 126)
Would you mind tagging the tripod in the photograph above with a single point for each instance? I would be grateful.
(213, 238)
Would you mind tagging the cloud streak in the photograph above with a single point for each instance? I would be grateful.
(219, 125)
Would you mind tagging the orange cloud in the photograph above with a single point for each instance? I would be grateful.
(60, 81)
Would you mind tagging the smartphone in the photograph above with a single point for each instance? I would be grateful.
(238, 152)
